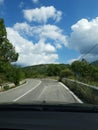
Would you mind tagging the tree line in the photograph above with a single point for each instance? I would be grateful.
(78, 70)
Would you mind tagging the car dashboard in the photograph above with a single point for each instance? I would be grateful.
(48, 117)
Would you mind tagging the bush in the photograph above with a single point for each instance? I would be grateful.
(15, 75)
(6, 87)
(66, 73)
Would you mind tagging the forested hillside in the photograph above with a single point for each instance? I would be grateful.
(44, 70)
(78, 70)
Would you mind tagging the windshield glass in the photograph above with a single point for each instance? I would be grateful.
(49, 51)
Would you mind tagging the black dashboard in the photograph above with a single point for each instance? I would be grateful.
(47, 117)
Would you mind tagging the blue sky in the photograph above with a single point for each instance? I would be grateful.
(51, 31)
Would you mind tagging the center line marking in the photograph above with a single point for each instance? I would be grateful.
(26, 92)
(42, 92)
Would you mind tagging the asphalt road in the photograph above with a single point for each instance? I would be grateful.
(36, 90)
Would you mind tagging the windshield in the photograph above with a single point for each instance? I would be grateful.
(49, 51)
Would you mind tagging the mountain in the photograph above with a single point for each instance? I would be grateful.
(95, 63)
(34, 71)
(43, 70)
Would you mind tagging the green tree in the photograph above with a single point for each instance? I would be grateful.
(82, 70)
(8, 54)
(7, 51)
(15, 74)
(95, 74)
(19, 75)
(66, 73)
(53, 70)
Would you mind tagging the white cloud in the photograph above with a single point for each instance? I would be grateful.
(41, 15)
(30, 53)
(44, 48)
(23, 28)
(35, 1)
(84, 36)
(1, 2)
(46, 32)
(53, 32)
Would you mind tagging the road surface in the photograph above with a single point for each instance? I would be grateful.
(35, 90)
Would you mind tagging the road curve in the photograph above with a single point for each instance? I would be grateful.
(36, 90)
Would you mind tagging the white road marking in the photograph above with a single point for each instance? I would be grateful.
(42, 92)
(27, 92)
(71, 92)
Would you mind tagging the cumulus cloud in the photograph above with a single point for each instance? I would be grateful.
(84, 37)
(42, 14)
(53, 32)
(30, 53)
(46, 32)
(23, 28)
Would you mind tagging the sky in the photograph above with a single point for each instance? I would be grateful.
(51, 31)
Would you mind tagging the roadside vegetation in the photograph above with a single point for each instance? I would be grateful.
(78, 70)
(8, 72)
(44, 70)
(83, 91)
